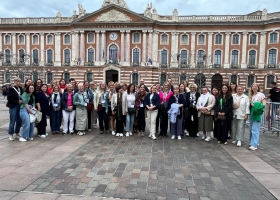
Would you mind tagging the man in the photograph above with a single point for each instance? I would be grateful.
(73, 83)
(142, 83)
(170, 81)
(274, 95)
(14, 102)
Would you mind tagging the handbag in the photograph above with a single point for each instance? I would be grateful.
(221, 117)
(89, 107)
(131, 111)
(32, 118)
(99, 107)
(164, 107)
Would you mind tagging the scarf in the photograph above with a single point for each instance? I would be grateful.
(62, 86)
(119, 107)
(55, 97)
(204, 99)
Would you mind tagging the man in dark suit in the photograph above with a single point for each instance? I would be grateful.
(171, 86)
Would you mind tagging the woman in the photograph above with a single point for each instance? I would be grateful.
(27, 82)
(94, 113)
(28, 102)
(215, 93)
(205, 106)
(131, 109)
(164, 98)
(89, 107)
(80, 101)
(257, 100)
(233, 88)
(224, 114)
(176, 113)
(62, 85)
(50, 89)
(100, 107)
(140, 99)
(43, 105)
(159, 109)
(192, 120)
(182, 92)
(119, 109)
(109, 97)
(37, 85)
(186, 86)
(241, 110)
(152, 104)
(68, 110)
(56, 110)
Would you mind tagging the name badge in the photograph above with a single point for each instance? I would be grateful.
(102, 101)
(85, 104)
(55, 105)
(87, 100)
(132, 106)
(141, 105)
(151, 105)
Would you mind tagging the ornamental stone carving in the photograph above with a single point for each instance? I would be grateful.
(113, 16)
(148, 12)
(120, 3)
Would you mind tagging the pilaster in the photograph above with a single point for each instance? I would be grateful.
(209, 53)
(262, 50)
(82, 47)
(77, 46)
(227, 44)
(1, 46)
(27, 42)
(244, 50)
(103, 46)
(57, 51)
(122, 46)
(193, 54)
(14, 46)
(174, 49)
(73, 50)
(155, 52)
(97, 48)
(127, 48)
(150, 46)
(144, 47)
(42, 49)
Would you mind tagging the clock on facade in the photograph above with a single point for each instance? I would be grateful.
(113, 36)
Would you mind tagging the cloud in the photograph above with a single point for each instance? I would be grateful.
(49, 8)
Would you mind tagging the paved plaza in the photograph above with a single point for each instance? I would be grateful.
(105, 167)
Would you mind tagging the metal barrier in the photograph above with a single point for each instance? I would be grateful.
(271, 118)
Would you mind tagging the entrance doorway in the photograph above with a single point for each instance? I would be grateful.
(217, 80)
(112, 75)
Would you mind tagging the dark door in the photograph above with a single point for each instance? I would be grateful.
(217, 80)
(112, 75)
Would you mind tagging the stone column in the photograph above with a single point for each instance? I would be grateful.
(174, 49)
(82, 47)
(210, 57)
(14, 47)
(122, 46)
(97, 48)
(27, 43)
(227, 44)
(155, 52)
(103, 46)
(77, 46)
(193, 54)
(262, 49)
(73, 42)
(144, 47)
(57, 51)
(244, 50)
(42, 49)
(127, 48)
(1, 46)
(150, 46)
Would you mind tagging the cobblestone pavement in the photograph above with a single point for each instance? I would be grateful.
(139, 168)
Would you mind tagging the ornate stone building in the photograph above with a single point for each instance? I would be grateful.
(115, 43)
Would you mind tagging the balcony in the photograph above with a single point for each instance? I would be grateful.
(271, 66)
(135, 64)
(252, 67)
(163, 65)
(200, 65)
(66, 64)
(89, 63)
(21, 63)
(184, 65)
(50, 63)
(235, 66)
(6, 64)
(218, 66)
(35, 64)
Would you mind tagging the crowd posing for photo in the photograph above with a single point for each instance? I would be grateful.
(123, 110)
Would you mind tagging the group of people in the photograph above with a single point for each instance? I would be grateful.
(121, 108)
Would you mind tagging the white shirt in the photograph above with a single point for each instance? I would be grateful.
(130, 100)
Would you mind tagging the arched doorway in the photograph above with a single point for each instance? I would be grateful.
(112, 75)
(217, 80)
(200, 80)
(113, 54)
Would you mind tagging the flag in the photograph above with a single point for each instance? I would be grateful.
(150, 61)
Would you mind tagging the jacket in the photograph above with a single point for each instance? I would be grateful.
(226, 108)
(161, 96)
(80, 100)
(244, 106)
(256, 111)
(57, 102)
(114, 102)
(13, 97)
(155, 101)
(192, 103)
(25, 99)
(97, 96)
(173, 112)
(107, 99)
(210, 105)
(64, 101)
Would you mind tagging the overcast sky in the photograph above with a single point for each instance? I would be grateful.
(49, 8)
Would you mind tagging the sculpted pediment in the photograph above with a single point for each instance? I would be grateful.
(113, 16)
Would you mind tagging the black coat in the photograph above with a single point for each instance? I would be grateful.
(197, 95)
(181, 100)
(226, 108)
(13, 97)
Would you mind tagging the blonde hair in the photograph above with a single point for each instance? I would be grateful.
(168, 84)
(194, 85)
(251, 91)
(111, 83)
(176, 87)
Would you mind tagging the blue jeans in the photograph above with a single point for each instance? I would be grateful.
(129, 122)
(27, 128)
(102, 117)
(254, 133)
(55, 120)
(14, 119)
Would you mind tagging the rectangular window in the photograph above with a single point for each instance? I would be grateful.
(164, 57)
(35, 56)
(251, 80)
(35, 39)
(164, 38)
(49, 77)
(234, 57)
(201, 39)
(136, 56)
(218, 58)
(184, 57)
(272, 57)
(218, 39)
(89, 77)
(7, 39)
(235, 39)
(135, 79)
(136, 38)
(253, 39)
(252, 58)
(90, 55)
(90, 38)
(184, 39)
(273, 38)
(49, 39)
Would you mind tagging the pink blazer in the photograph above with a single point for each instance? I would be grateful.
(167, 97)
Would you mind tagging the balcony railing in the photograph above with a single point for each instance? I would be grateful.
(66, 64)
(135, 64)
(184, 66)
(50, 63)
(200, 66)
(163, 65)
(89, 64)
(217, 66)
(271, 66)
(6, 63)
(252, 66)
(35, 64)
(235, 66)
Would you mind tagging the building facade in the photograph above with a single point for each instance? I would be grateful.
(117, 44)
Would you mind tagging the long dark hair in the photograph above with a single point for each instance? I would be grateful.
(27, 90)
(228, 94)
(215, 87)
(44, 84)
(128, 88)
(235, 90)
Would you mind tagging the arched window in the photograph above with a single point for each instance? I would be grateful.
(136, 38)
(182, 77)
(164, 58)
(218, 58)
(67, 39)
(90, 55)
(164, 38)
(49, 56)
(250, 80)
(136, 57)
(252, 57)
(8, 55)
(233, 78)
(35, 53)
(201, 57)
(218, 39)
(234, 57)
(135, 79)
(113, 54)
(90, 38)
(35, 39)
(184, 57)
(7, 77)
(272, 57)
(235, 39)
(21, 55)
(7, 39)
(20, 39)
(67, 57)
(184, 39)
(269, 79)
(201, 39)
(67, 77)
(49, 77)
(200, 80)
(163, 78)
(49, 39)
(89, 77)
(21, 76)
(253, 39)
(273, 38)
(35, 76)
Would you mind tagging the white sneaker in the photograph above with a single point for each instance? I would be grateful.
(239, 143)
(113, 133)
(30, 139)
(121, 135)
(22, 139)
(150, 135)
(154, 138)
(130, 133)
(233, 142)
(117, 134)
(253, 148)
(203, 137)
(81, 133)
(127, 134)
(173, 137)
(179, 137)
(197, 135)
(18, 136)
(47, 134)
(42, 136)
(207, 139)
(11, 137)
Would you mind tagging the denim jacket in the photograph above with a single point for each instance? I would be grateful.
(80, 100)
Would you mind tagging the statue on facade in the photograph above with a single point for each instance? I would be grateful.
(74, 12)
(58, 15)
(148, 12)
(120, 3)
(82, 11)
(175, 12)
(155, 11)
(264, 12)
